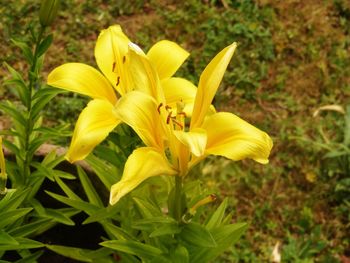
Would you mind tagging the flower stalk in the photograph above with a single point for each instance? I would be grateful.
(178, 207)
(33, 77)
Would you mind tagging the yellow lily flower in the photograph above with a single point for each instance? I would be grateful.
(172, 145)
(97, 120)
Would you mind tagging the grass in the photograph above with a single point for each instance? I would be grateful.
(293, 57)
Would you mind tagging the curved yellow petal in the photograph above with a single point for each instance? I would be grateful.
(209, 83)
(142, 164)
(195, 140)
(95, 122)
(236, 139)
(83, 79)
(139, 111)
(179, 90)
(110, 53)
(144, 75)
(167, 56)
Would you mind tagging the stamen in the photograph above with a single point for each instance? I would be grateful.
(124, 58)
(177, 123)
(113, 67)
(118, 80)
(168, 117)
(158, 109)
(167, 107)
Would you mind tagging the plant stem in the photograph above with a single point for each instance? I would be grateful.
(178, 198)
(29, 125)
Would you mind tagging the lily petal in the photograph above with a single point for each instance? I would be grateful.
(195, 140)
(139, 111)
(167, 56)
(144, 75)
(95, 122)
(179, 90)
(110, 53)
(143, 163)
(236, 139)
(209, 83)
(83, 79)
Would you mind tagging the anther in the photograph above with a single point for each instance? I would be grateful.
(118, 80)
(167, 107)
(158, 109)
(113, 67)
(124, 58)
(177, 123)
(168, 117)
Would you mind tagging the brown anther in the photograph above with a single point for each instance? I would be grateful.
(118, 80)
(113, 67)
(177, 123)
(158, 109)
(124, 58)
(213, 197)
(167, 107)
(168, 117)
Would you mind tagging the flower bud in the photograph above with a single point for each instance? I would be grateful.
(48, 11)
(3, 175)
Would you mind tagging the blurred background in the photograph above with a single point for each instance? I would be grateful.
(293, 57)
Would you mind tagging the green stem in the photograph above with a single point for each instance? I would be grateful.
(29, 125)
(178, 198)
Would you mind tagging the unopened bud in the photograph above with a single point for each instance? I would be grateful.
(48, 11)
(204, 201)
(3, 175)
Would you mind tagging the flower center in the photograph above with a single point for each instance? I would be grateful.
(175, 118)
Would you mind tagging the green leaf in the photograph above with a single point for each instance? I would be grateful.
(24, 243)
(9, 217)
(167, 229)
(101, 214)
(5, 238)
(180, 255)
(42, 97)
(80, 205)
(99, 255)
(44, 45)
(134, 248)
(66, 189)
(216, 219)
(146, 208)
(12, 147)
(197, 235)
(51, 160)
(27, 52)
(19, 120)
(32, 258)
(28, 229)
(118, 232)
(13, 199)
(107, 174)
(59, 217)
(90, 191)
(225, 237)
(42, 170)
(18, 82)
(70, 252)
(152, 222)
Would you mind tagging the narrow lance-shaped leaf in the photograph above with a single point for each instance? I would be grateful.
(90, 191)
